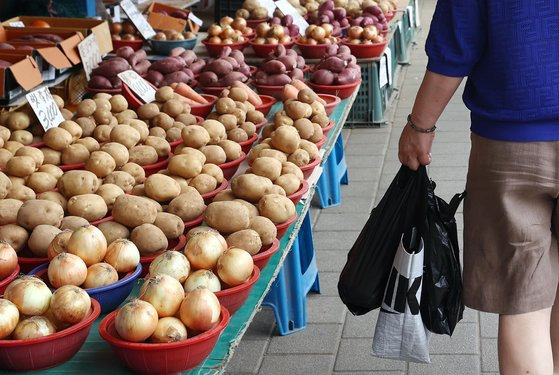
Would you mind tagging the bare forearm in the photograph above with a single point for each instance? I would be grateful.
(434, 94)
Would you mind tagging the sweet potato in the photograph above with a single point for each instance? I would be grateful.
(125, 52)
(300, 62)
(296, 74)
(155, 77)
(178, 76)
(278, 79)
(188, 56)
(137, 56)
(237, 55)
(176, 51)
(208, 79)
(100, 82)
(234, 63)
(245, 69)
(334, 64)
(226, 51)
(111, 68)
(228, 79)
(220, 67)
(322, 77)
(273, 67)
(348, 75)
(6, 46)
(5, 64)
(142, 67)
(197, 66)
(289, 92)
(168, 65)
(290, 62)
(115, 82)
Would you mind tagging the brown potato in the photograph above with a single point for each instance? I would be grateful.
(125, 135)
(15, 235)
(143, 155)
(289, 167)
(77, 182)
(171, 225)
(185, 166)
(304, 127)
(195, 136)
(310, 148)
(163, 120)
(55, 197)
(276, 154)
(216, 130)
(87, 124)
(118, 103)
(267, 167)
(317, 135)
(113, 231)
(33, 152)
(250, 187)
(73, 223)
(300, 158)
(132, 211)
(102, 133)
(123, 179)
(161, 146)
(161, 188)
(8, 211)
(141, 127)
(5, 155)
(5, 185)
(265, 228)
(224, 195)
(276, 189)
(149, 239)
(20, 166)
(109, 193)
(100, 163)
(135, 171)
(192, 152)
(119, 153)
(90, 143)
(91, 207)
(173, 107)
(286, 139)
(57, 138)
(225, 105)
(163, 94)
(204, 183)
(237, 135)
(51, 156)
(256, 117)
(214, 154)
(276, 207)
(12, 146)
(157, 132)
(73, 128)
(248, 128)
(188, 205)
(227, 216)
(18, 120)
(233, 150)
(40, 239)
(41, 182)
(252, 209)
(246, 239)
(126, 115)
(214, 171)
(289, 182)
(35, 212)
(75, 154)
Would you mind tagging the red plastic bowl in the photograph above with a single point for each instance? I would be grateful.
(230, 168)
(214, 49)
(308, 169)
(188, 225)
(216, 90)
(27, 263)
(332, 102)
(327, 129)
(133, 101)
(48, 351)
(312, 51)
(72, 167)
(233, 298)
(261, 124)
(208, 197)
(203, 110)
(263, 257)
(4, 283)
(253, 23)
(156, 167)
(366, 50)
(168, 358)
(321, 143)
(97, 91)
(274, 91)
(247, 145)
(103, 220)
(282, 227)
(267, 103)
(341, 91)
(135, 44)
(263, 50)
(176, 244)
(296, 197)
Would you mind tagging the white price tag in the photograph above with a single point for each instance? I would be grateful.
(417, 20)
(269, 5)
(17, 24)
(138, 85)
(45, 108)
(298, 20)
(196, 20)
(137, 19)
(388, 54)
(89, 53)
(382, 72)
(116, 15)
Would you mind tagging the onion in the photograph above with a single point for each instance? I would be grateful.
(169, 329)
(100, 274)
(30, 294)
(204, 278)
(89, 243)
(67, 269)
(70, 304)
(202, 229)
(9, 317)
(200, 310)
(33, 327)
(164, 293)
(136, 321)
(59, 243)
(123, 255)
(235, 266)
(204, 249)
(8, 260)
(171, 263)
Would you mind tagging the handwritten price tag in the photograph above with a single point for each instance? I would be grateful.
(195, 19)
(17, 24)
(138, 85)
(45, 108)
(298, 20)
(89, 53)
(137, 19)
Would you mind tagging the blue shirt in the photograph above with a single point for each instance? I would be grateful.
(509, 50)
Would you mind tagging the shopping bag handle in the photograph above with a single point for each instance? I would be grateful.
(455, 202)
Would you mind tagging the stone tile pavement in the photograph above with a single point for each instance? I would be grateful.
(335, 341)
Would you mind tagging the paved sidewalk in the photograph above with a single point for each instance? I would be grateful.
(335, 341)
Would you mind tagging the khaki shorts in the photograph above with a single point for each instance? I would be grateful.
(511, 226)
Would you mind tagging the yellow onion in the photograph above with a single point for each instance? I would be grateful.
(100, 274)
(70, 304)
(235, 266)
(33, 327)
(59, 243)
(204, 278)
(123, 255)
(89, 243)
(204, 249)
(67, 269)
(164, 293)
(171, 263)
(9, 317)
(200, 310)
(8, 260)
(169, 329)
(136, 321)
(30, 294)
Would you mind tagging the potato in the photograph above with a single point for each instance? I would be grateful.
(300, 158)
(8, 210)
(185, 166)
(224, 195)
(119, 153)
(171, 225)
(75, 154)
(195, 136)
(102, 133)
(173, 107)
(17, 181)
(276, 189)
(252, 209)
(266, 166)
(214, 154)
(289, 167)
(227, 217)
(90, 143)
(143, 155)
(161, 146)
(35, 212)
(249, 128)
(310, 148)
(237, 135)
(22, 136)
(109, 193)
(183, 183)
(118, 103)
(5, 185)
(102, 103)
(233, 150)
(286, 139)
(304, 127)
(55, 197)
(100, 163)
(40, 239)
(102, 116)
(20, 166)
(77, 182)
(266, 229)
(255, 151)
(41, 182)
(149, 239)
(12, 146)
(141, 127)
(250, 187)
(204, 183)
(133, 211)
(238, 94)
(33, 152)
(163, 121)
(123, 179)
(281, 119)
(321, 119)
(225, 106)
(73, 128)
(135, 171)
(87, 125)
(214, 171)
(246, 239)
(113, 231)
(4, 132)
(57, 138)
(138, 190)
(5, 155)
(125, 135)
(317, 135)
(73, 223)
(192, 152)
(289, 182)
(188, 205)
(216, 130)
(229, 121)
(15, 235)
(18, 120)
(91, 207)
(276, 154)
(276, 207)
(187, 119)
(161, 188)
(163, 94)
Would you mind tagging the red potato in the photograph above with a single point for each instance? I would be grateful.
(137, 56)
(348, 75)
(273, 67)
(173, 77)
(278, 79)
(142, 67)
(208, 79)
(100, 82)
(230, 78)
(296, 74)
(155, 77)
(168, 65)
(333, 63)
(176, 51)
(111, 68)
(323, 77)
(220, 67)
(125, 52)
(189, 57)
(197, 66)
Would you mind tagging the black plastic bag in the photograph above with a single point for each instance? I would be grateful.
(441, 297)
(363, 280)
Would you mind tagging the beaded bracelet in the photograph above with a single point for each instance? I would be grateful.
(418, 129)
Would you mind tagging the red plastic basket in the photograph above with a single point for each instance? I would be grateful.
(135, 44)
(167, 358)
(247, 145)
(156, 167)
(326, 129)
(312, 51)
(212, 90)
(308, 169)
(133, 101)
(263, 50)
(72, 167)
(27, 261)
(49, 351)
(93, 91)
(321, 143)
(176, 244)
(282, 227)
(230, 168)
(263, 257)
(233, 298)
(261, 124)
(296, 197)
(6, 281)
(341, 91)
(267, 103)
(188, 225)
(365, 51)
(214, 49)
(103, 220)
(253, 23)
(203, 110)
(208, 197)
(273, 91)
(332, 102)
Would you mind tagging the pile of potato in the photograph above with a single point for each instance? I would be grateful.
(318, 34)
(337, 67)
(252, 10)
(223, 71)
(280, 67)
(172, 69)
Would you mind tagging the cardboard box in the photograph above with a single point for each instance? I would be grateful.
(50, 60)
(23, 75)
(83, 25)
(163, 22)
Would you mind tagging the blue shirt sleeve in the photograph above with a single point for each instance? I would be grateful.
(457, 37)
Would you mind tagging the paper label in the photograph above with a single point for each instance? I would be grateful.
(138, 85)
(195, 19)
(416, 10)
(17, 24)
(45, 108)
(116, 15)
(382, 72)
(89, 53)
(137, 19)
(269, 5)
(298, 20)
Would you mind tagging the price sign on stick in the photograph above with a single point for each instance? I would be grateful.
(45, 108)
(195, 19)
(137, 19)
(298, 20)
(138, 85)
(17, 24)
(89, 53)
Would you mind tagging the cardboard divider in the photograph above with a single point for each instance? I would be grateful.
(23, 72)
(163, 22)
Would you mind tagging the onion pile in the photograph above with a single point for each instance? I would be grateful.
(8, 260)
